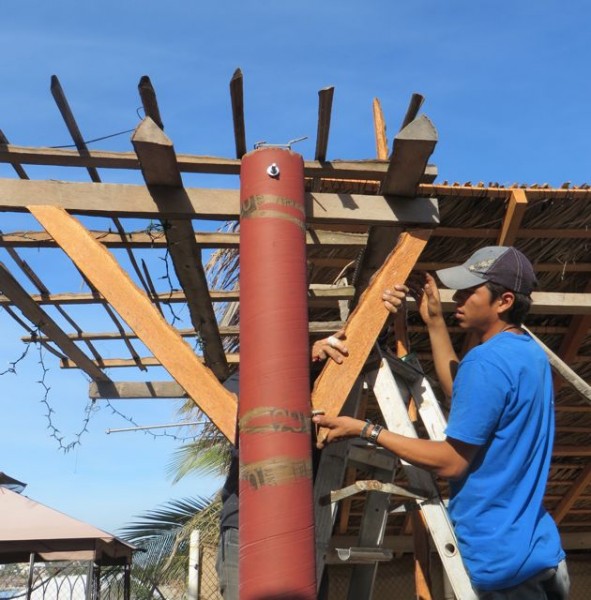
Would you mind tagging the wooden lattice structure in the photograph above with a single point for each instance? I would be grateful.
(356, 211)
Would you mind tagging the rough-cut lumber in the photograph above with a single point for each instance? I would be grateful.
(365, 323)
(106, 199)
(136, 390)
(134, 307)
(411, 150)
(138, 362)
(149, 100)
(237, 99)
(325, 97)
(572, 378)
(40, 319)
(159, 167)
(372, 170)
(573, 494)
(205, 239)
(551, 303)
(513, 215)
(413, 146)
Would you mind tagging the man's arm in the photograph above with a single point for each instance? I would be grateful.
(428, 300)
(448, 458)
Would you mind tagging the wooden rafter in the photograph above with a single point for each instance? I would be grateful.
(106, 199)
(40, 319)
(411, 150)
(580, 484)
(159, 168)
(365, 322)
(136, 309)
(237, 99)
(325, 97)
(551, 303)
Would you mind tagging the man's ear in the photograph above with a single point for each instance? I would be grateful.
(506, 301)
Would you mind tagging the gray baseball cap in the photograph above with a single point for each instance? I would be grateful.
(504, 265)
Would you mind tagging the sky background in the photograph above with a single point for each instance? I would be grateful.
(506, 85)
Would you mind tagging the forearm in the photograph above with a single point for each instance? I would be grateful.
(436, 456)
(445, 359)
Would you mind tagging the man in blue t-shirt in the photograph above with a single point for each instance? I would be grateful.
(500, 432)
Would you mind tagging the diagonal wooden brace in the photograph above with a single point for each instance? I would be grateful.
(135, 308)
(365, 323)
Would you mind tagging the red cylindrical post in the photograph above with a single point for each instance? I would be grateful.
(276, 506)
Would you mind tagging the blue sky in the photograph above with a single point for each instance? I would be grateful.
(506, 85)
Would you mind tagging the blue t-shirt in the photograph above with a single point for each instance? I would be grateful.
(503, 402)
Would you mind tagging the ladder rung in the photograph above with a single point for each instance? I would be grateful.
(364, 555)
(370, 485)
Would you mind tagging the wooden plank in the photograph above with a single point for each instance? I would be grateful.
(159, 168)
(551, 303)
(364, 324)
(149, 100)
(15, 165)
(325, 97)
(416, 101)
(379, 125)
(316, 328)
(575, 336)
(141, 362)
(574, 493)
(62, 103)
(136, 390)
(237, 99)
(40, 319)
(411, 150)
(373, 170)
(134, 307)
(142, 239)
(513, 216)
(109, 200)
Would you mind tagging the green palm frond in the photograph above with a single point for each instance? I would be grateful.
(202, 457)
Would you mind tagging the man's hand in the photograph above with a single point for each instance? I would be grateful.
(423, 288)
(331, 347)
(337, 428)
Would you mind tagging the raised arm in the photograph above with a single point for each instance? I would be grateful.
(428, 300)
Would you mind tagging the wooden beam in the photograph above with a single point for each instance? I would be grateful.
(315, 328)
(106, 199)
(99, 266)
(144, 239)
(372, 170)
(141, 362)
(575, 336)
(237, 99)
(379, 127)
(62, 103)
(159, 168)
(325, 97)
(40, 319)
(364, 324)
(516, 208)
(128, 390)
(411, 150)
(149, 100)
(550, 303)
(414, 105)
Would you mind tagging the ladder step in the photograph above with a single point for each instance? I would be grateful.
(364, 555)
(370, 485)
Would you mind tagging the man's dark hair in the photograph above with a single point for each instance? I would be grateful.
(521, 306)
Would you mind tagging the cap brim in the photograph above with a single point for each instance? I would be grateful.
(459, 278)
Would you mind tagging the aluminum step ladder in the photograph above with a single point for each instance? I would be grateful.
(393, 381)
